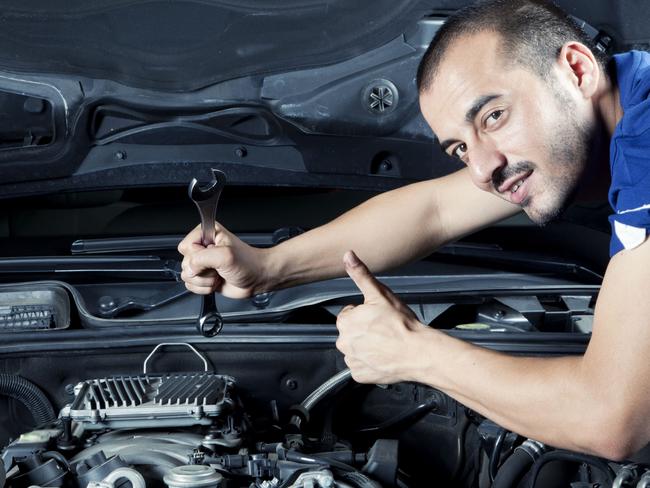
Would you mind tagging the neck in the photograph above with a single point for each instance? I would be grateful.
(607, 100)
(608, 112)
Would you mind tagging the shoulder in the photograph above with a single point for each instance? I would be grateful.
(629, 193)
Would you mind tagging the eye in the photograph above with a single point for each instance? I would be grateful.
(493, 117)
(460, 150)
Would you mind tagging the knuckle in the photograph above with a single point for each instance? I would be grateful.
(340, 323)
(228, 256)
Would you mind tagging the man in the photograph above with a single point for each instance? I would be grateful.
(512, 88)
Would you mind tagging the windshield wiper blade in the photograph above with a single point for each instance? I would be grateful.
(495, 254)
(170, 242)
(141, 266)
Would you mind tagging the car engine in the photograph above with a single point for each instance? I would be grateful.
(186, 430)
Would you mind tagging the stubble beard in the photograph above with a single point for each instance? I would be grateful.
(569, 151)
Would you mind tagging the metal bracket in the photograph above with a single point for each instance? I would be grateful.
(163, 344)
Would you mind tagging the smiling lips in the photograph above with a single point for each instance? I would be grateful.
(515, 189)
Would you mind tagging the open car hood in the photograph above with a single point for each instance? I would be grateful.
(301, 93)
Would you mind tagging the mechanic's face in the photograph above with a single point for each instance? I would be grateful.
(523, 138)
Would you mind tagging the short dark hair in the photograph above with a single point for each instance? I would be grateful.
(532, 34)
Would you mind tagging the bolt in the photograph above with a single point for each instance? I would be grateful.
(241, 152)
(120, 155)
(386, 165)
(291, 384)
(106, 302)
(69, 389)
(262, 300)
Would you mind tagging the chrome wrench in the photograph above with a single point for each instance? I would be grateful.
(206, 199)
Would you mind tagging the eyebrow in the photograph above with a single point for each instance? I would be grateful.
(476, 107)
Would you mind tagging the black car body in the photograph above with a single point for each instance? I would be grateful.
(309, 108)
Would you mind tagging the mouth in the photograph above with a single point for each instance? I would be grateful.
(516, 188)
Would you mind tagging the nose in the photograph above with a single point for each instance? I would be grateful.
(485, 161)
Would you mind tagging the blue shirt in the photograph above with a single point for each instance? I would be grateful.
(629, 154)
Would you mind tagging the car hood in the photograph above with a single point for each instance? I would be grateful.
(299, 93)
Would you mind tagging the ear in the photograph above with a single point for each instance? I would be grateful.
(578, 62)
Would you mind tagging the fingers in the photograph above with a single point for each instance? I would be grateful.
(193, 241)
(366, 282)
(199, 269)
(212, 258)
(205, 290)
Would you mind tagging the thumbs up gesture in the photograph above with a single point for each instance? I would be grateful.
(380, 339)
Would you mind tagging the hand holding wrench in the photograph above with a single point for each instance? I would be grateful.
(206, 199)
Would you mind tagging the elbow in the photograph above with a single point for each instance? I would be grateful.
(616, 435)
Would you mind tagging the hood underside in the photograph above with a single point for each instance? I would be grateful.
(187, 45)
(152, 93)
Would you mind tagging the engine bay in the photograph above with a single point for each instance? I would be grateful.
(195, 429)
(283, 417)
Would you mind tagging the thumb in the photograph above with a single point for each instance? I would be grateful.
(362, 277)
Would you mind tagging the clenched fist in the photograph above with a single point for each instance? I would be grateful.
(230, 266)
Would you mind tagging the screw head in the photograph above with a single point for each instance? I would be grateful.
(241, 152)
(120, 155)
(499, 314)
(291, 384)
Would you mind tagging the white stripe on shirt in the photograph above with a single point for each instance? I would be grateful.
(642, 207)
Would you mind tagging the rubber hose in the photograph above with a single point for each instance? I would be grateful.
(360, 480)
(513, 470)
(30, 395)
(597, 463)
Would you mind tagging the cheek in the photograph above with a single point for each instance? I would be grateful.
(527, 135)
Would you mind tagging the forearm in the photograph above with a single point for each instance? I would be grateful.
(552, 400)
(388, 230)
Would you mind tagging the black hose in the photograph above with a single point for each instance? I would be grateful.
(513, 469)
(298, 457)
(30, 395)
(495, 457)
(400, 420)
(360, 480)
(597, 463)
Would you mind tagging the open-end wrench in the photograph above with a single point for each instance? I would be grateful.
(206, 199)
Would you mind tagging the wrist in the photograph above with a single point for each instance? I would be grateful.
(270, 270)
(425, 346)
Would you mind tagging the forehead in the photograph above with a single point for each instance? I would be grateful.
(472, 67)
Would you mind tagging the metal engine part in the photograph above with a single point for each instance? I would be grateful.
(197, 475)
(318, 479)
(179, 399)
(125, 474)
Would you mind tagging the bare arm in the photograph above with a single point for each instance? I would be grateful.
(389, 230)
(596, 403)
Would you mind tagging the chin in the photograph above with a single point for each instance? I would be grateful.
(544, 214)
